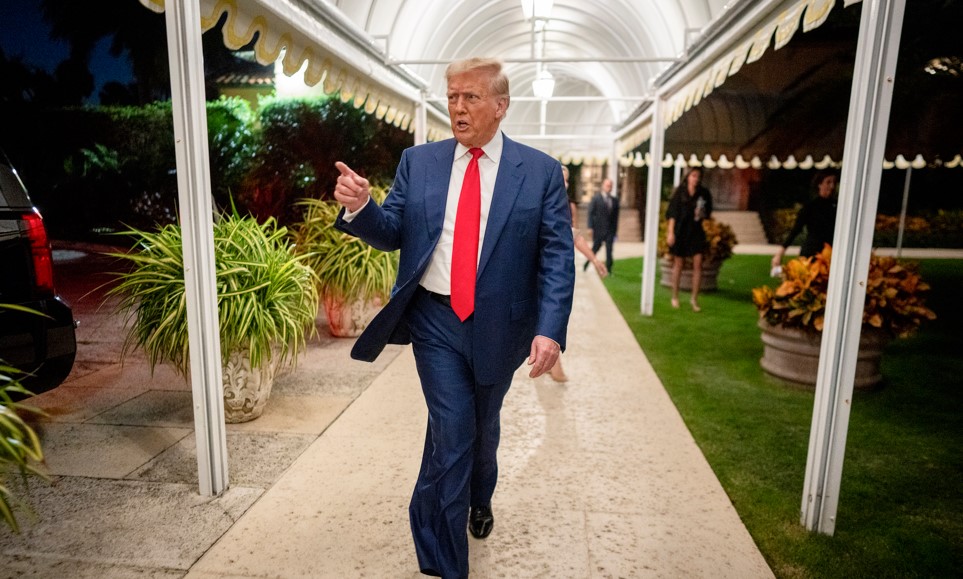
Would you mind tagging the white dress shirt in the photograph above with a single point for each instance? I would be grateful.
(437, 277)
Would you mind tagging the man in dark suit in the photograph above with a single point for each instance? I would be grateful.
(475, 296)
(603, 220)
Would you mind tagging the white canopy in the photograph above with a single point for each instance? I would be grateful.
(608, 58)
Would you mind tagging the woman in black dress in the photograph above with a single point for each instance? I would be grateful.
(818, 217)
(690, 204)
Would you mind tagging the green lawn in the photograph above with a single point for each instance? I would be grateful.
(901, 503)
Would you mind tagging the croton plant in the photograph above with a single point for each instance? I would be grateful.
(895, 295)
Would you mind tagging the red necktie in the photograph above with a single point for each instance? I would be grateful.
(464, 255)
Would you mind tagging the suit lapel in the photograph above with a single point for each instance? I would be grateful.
(437, 177)
(508, 183)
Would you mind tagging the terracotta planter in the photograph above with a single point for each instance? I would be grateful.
(793, 354)
(246, 389)
(349, 319)
(710, 271)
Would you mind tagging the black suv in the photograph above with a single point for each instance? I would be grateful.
(42, 346)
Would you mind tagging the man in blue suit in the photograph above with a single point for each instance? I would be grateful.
(521, 278)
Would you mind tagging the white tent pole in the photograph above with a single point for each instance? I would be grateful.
(872, 92)
(653, 200)
(421, 121)
(902, 212)
(194, 195)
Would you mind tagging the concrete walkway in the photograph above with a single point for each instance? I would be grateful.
(599, 476)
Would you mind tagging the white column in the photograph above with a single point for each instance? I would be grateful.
(872, 93)
(421, 120)
(194, 195)
(902, 212)
(653, 199)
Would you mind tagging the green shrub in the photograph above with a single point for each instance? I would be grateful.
(943, 229)
(299, 141)
(116, 164)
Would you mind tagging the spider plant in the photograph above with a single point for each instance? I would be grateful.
(267, 298)
(19, 445)
(347, 268)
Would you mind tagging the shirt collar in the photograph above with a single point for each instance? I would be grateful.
(492, 149)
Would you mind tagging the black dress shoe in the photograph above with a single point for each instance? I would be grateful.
(480, 522)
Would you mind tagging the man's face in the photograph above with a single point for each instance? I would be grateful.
(607, 186)
(475, 112)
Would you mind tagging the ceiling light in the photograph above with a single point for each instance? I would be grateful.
(540, 9)
(544, 85)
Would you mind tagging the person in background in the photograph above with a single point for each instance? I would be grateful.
(689, 205)
(557, 373)
(603, 220)
(817, 216)
(485, 279)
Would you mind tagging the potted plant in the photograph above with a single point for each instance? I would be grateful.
(791, 316)
(354, 279)
(266, 297)
(20, 447)
(720, 239)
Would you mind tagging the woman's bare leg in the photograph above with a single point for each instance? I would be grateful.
(676, 277)
(696, 281)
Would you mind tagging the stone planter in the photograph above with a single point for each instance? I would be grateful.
(710, 271)
(246, 389)
(348, 320)
(793, 354)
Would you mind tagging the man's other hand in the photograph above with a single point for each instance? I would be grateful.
(544, 353)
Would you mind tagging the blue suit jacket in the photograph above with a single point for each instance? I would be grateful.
(526, 269)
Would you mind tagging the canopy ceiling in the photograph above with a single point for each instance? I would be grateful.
(795, 102)
(605, 50)
(608, 59)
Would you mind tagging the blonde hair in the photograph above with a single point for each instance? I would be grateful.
(492, 66)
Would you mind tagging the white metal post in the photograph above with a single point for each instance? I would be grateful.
(194, 194)
(872, 93)
(902, 212)
(653, 199)
(421, 120)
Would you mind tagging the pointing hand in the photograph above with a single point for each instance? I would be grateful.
(352, 190)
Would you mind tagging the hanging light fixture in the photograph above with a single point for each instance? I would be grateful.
(539, 9)
(544, 85)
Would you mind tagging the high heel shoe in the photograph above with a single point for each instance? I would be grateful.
(695, 307)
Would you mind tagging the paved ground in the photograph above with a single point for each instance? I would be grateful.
(599, 476)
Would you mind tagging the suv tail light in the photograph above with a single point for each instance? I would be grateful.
(39, 252)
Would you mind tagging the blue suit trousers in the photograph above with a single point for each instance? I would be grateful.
(459, 467)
